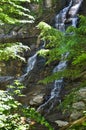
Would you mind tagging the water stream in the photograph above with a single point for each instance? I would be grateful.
(30, 65)
(61, 18)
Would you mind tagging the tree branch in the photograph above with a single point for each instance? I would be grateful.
(77, 122)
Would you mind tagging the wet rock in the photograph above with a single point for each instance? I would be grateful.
(61, 123)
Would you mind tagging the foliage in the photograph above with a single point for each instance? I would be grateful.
(69, 99)
(12, 50)
(67, 107)
(9, 117)
(13, 12)
(13, 115)
(33, 114)
(78, 127)
(43, 52)
(72, 97)
(54, 38)
(15, 89)
(58, 44)
(79, 124)
(74, 43)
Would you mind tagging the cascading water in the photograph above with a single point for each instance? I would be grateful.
(30, 65)
(73, 11)
(61, 19)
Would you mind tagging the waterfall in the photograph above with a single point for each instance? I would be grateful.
(61, 19)
(75, 7)
(31, 63)
(74, 10)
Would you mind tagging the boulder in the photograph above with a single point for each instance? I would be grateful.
(82, 93)
(37, 99)
(79, 105)
(61, 123)
(75, 115)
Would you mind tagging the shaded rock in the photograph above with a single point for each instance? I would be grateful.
(82, 93)
(5, 80)
(75, 115)
(79, 105)
(11, 68)
(83, 8)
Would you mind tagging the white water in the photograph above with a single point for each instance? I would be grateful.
(75, 7)
(31, 62)
(61, 18)
(72, 9)
(30, 65)
(74, 21)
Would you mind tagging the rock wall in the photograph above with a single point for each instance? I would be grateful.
(36, 97)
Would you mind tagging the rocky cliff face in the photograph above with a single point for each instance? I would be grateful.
(16, 68)
(35, 92)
